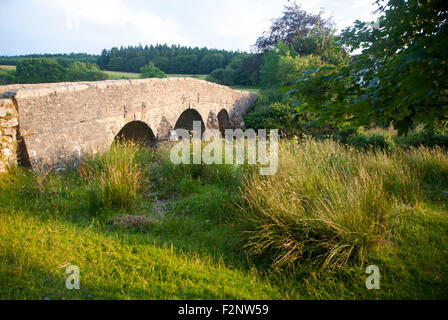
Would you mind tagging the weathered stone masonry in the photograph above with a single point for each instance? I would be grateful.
(8, 134)
(63, 121)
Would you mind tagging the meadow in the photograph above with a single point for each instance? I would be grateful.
(5, 67)
(139, 227)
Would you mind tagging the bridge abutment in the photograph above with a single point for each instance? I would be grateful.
(9, 122)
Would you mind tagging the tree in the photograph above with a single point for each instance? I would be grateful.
(211, 62)
(40, 71)
(170, 59)
(234, 72)
(84, 71)
(283, 65)
(151, 71)
(295, 22)
(401, 75)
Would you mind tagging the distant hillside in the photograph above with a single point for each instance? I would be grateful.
(64, 59)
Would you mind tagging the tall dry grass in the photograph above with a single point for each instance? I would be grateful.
(116, 178)
(331, 204)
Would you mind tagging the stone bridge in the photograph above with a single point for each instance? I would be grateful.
(49, 124)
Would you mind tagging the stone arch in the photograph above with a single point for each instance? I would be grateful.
(137, 131)
(185, 120)
(224, 121)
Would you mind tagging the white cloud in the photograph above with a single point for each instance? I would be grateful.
(141, 26)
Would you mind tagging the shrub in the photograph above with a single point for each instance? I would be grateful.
(366, 140)
(40, 71)
(82, 71)
(151, 71)
(234, 73)
(427, 138)
(276, 115)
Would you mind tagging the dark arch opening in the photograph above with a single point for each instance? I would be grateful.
(138, 132)
(224, 121)
(186, 119)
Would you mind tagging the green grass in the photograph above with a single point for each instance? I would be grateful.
(391, 207)
(116, 75)
(5, 67)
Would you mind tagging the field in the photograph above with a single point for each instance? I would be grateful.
(202, 230)
(115, 75)
(4, 67)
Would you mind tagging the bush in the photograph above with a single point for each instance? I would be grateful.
(276, 115)
(427, 138)
(382, 139)
(40, 71)
(282, 66)
(235, 72)
(82, 71)
(222, 76)
(151, 71)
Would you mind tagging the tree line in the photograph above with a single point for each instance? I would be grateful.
(229, 67)
(174, 59)
(65, 59)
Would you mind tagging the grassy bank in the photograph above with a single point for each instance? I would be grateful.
(140, 227)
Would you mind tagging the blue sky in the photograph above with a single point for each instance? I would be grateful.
(62, 26)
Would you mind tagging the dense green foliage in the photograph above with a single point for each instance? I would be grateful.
(170, 59)
(400, 76)
(235, 73)
(294, 24)
(151, 71)
(63, 58)
(282, 65)
(39, 70)
(313, 45)
(85, 71)
(7, 76)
